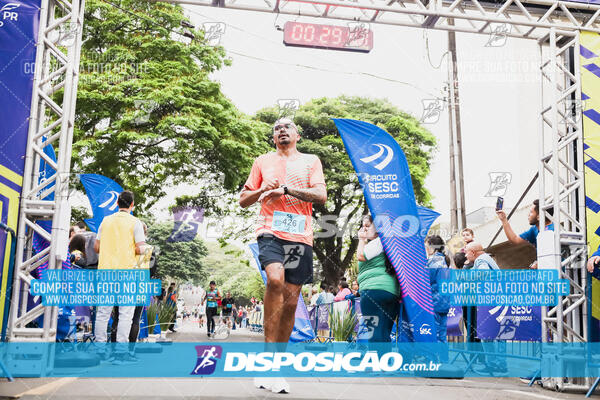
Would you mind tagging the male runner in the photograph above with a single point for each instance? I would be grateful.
(212, 297)
(286, 183)
(227, 307)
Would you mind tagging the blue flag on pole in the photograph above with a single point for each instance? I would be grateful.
(383, 173)
(303, 330)
(102, 193)
(46, 170)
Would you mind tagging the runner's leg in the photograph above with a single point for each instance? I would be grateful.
(273, 306)
(288, 316)
(209, 321)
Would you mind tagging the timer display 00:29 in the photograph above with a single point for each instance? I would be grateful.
(355, 38)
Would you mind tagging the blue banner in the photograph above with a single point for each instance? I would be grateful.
(509, 323)
(45, 173)
(46, 170)
(383, 172)
(19, 22)
(427, 217)
(303, 330)
(455, 315)
(102, 193)
(339, 360)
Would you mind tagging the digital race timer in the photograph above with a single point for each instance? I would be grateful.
(355, 37)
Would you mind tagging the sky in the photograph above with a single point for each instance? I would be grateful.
(499, 90)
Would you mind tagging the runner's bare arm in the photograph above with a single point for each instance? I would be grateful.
(316, 194)
(249, 197)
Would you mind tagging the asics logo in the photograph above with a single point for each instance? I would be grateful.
(384, 151)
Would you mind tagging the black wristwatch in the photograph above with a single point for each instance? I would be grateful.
(285, 189)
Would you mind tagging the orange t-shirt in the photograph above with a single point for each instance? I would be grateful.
(301, 172)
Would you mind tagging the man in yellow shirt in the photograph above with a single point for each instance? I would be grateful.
(120, 238)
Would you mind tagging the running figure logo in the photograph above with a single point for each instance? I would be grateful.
(207, 359)
(186, 224)
(367, 326)
(293, 255)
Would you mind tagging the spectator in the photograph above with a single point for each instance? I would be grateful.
(314, 297)
(482, 260)
(321, 298)
(244, 317)
(120, 237)
(530, 235)
(437, 264)
(240, 313)
(171, 300)
(329, 296)
(479, 258)
(77, 250)
(342, 292)
(460, 260)
(91, 256)
(333, 290)
(201, 313)
(82, 226)
(379, 289)
(467, 236)
(234, 314)
(76, 230)
(355, 289)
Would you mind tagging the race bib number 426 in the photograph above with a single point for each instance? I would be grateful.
(288, 222)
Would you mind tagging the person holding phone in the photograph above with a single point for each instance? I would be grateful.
(530, 235)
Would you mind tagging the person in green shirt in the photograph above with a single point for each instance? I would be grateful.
(379, 289)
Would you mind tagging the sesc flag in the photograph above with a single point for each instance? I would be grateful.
(383, 173)
(303, 330)
(102, 193)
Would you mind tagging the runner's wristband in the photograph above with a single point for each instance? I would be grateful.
(285, 189)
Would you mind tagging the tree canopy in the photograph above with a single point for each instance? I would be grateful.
(183, 261)
(148, 115)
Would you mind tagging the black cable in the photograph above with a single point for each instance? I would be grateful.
(145, 18)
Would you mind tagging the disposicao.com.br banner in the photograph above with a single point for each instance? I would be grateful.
(219, 359)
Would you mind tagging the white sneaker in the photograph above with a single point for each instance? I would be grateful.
(279, 385)
(262, 383)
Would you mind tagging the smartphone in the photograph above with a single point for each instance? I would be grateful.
(499, 203)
